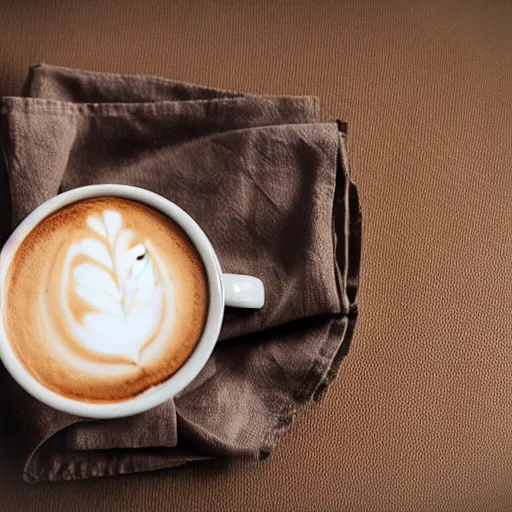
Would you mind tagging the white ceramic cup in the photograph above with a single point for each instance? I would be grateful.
(224, 290)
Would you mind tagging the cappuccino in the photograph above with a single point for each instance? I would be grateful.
(104, 299)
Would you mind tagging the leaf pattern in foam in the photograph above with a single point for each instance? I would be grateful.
(119, 283)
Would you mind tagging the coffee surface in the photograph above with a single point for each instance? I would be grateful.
(104, 299)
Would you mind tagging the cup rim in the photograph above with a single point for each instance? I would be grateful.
(160, 393)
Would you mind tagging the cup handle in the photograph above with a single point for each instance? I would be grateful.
(242, 291)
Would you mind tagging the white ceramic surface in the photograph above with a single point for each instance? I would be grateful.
(224, 289)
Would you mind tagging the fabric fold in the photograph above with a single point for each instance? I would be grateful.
(268, 183)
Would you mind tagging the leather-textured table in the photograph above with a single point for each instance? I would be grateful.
(420, 417)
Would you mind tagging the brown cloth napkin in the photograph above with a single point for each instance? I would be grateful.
(269, 184)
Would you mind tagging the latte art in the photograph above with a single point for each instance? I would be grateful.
(120, 284)
(114, 299)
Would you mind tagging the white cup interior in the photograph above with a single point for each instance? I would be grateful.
(185, 374)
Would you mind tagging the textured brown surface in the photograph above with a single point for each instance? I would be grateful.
(420, 417)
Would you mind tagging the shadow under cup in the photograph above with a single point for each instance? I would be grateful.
(153, 396)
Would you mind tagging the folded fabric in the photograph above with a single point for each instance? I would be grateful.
(268, 183)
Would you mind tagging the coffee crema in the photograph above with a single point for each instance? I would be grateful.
(104, 299)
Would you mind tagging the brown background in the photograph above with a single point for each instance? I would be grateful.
(420, 417)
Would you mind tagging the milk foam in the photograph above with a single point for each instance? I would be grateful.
(118, 282)
(105, 298)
